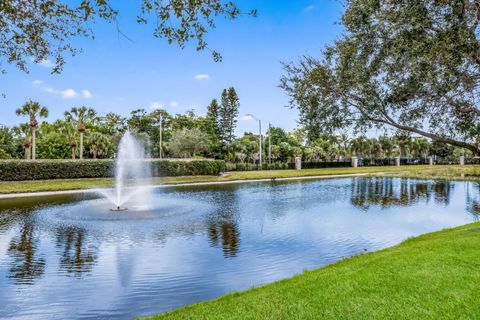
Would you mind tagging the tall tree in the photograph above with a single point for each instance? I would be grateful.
(409, 65)
(227, 115)
(33, 110)
(44, 29)
(186, 143)
(213, 116)
(81, 116)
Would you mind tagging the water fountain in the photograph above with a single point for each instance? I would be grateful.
(132, 173)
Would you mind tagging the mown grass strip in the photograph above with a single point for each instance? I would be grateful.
(434, 276)
(446, 172)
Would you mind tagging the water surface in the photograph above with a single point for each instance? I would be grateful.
(66, 257)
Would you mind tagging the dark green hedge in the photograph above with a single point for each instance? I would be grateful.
(18, 170)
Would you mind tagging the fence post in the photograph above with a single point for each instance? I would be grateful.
(354, 162)
(430, 160)
(397, 161)
(298, 163)
(462, 160)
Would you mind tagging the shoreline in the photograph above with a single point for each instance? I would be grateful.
(187, 184)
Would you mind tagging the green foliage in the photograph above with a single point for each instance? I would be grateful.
(412, 66)
(186, 143)
(53, 145)
(45, 29)
(18, 170)
(7, 143)
(4, 154)
(227, 115)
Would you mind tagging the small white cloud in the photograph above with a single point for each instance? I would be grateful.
(86, 94)
(309, 8)
(202, 76)
(68, 93)
(64, 94)
(156, 105)
(174, 104)
(48, 89)
(44, 63)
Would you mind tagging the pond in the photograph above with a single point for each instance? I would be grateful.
(71, 257)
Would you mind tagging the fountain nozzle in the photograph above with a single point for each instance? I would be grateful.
(118, 208)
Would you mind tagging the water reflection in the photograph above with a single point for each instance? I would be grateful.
(26, 265)
(223, 225)
(387, 192)
(200, 242)
(76, 256)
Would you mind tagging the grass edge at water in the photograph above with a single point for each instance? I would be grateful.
(431, 276)
(420, 171)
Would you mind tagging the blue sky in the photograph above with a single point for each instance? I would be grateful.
(114, 74)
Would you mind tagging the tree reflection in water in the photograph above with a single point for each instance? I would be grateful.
(223, 226)
(473, 200)
(76, 258)
(26, 266)
(387, 192)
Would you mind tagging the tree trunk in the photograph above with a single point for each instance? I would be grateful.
(81, 145)
(73, 153)
(34, 134)
(94, 154)
(27, 153)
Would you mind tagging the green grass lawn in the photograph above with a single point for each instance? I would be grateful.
(434, 276)
(447, 172)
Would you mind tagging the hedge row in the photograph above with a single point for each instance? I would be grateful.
(18, 170)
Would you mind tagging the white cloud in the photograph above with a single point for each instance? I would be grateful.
(309, 8)
(174, 104)
(68, 93)
(86, 94)
(201, 77)
(156, 105)
(46, 63)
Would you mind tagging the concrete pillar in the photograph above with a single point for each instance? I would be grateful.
(298, 163)
(462, 160)
(354, 162)
(397, 161)
(430, 160)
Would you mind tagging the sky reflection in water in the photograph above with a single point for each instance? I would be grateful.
(62, 257)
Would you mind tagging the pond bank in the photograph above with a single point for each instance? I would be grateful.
(433, 276)
(45, 187)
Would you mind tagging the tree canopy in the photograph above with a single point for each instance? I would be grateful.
(43, 29)
(412, 66)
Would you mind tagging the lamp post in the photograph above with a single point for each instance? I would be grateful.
(269, 144)
(260, 136)
(160, 129)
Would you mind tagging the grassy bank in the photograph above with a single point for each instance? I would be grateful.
(445, 172)
(434, 276)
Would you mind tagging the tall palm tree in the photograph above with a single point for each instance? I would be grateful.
(81, 116)
(33, 109)
(69, 131)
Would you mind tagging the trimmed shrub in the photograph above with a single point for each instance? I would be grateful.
(18, 170)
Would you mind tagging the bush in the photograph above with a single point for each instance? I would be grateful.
(18, 170)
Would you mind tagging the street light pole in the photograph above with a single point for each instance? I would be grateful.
(260, 136)
(269, 143)
(160, 128)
